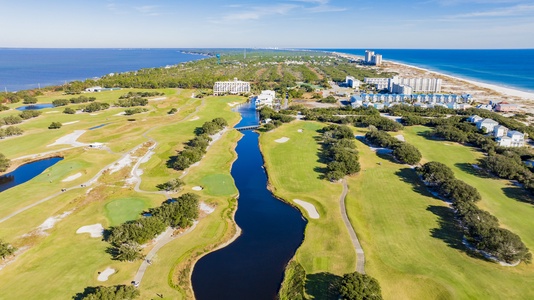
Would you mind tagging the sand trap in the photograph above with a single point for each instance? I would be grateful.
(195, 118)
(93, 114)
(312, 212)
(197, 188)
(52, 112)
(400, 137)
(72, 177)
(300, 130)
(125, 161)
(104, 275)
(158, 99)
(95, 230)
(50, 222)
(282, 140)
(232, 104)
(206, 208)
(70, 139)
(120, 114)
(68, 123)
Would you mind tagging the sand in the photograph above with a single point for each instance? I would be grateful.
(95, 230)
(197, 188)
(123, 162)
(50, 222)
(194, 118)
(400, 137)
(158, 99)
(72, 177)
(104, 275)
(206, 208)
(68, 123)
(120, 114)
(70, 139)
(300, 130)
(282, 140)
(52, 112)
(310, 209)
(232, 104)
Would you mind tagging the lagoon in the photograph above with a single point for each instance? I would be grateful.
(26, 172)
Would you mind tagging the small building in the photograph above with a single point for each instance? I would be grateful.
(500, 131)
(266, 98)
(474, 119)
(352, 82)
(487, 125)
(512, 139)
(485, 106)
(94, 89)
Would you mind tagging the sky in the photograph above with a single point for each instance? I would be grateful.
(425, 24)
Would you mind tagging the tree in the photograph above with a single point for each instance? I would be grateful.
(172, 111)
(356, 286)
(69, 111)
(29, 100)
(128, 252)
(116, 292)
(435, 173)
(55, 125)
(4, 163)
(6, 249)
(171, 185)
(407, 153)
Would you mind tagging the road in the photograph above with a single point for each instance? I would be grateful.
(360, 257)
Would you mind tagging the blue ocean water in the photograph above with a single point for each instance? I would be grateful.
(22, 69)
(508, 68)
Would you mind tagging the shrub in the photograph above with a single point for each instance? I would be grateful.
(356, 286)
(55, 125)
(69, 111)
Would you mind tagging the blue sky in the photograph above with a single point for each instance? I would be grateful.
(284, 23)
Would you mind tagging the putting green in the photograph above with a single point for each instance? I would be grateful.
(218, 185)
(125, 209)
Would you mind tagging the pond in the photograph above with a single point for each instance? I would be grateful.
(35, 106)
(26, 172)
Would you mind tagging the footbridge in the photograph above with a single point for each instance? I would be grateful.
(250, 127)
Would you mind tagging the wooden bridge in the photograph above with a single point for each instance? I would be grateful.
(242, 128)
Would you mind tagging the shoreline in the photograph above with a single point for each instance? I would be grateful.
(504, 91)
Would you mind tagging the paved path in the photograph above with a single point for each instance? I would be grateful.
(360, 257)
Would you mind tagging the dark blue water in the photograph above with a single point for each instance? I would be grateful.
(509, 68)
(22, 69)
(99, 126)
(26, 172)
(252, 267)
(35, 106)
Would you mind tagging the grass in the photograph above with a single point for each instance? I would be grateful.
(218, 185)
(295, 172)
(62, 251)
(124, 209)
(409, 237)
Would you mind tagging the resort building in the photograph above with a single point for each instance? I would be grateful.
(506, 107)
(487, 125)
(352, 82)
(266, 98)
(422, 100)
(379, 83)
(231, 87)
(98, 89)
(372, 59)
(418, 85)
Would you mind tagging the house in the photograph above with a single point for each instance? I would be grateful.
(500, 131)
(474, 119)
(512, 139)
(487, 125)
(266, 98)
(506, 107)
(485, 106)
(352, 82)
(94, 89)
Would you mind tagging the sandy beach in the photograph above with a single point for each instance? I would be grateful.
(481, 92)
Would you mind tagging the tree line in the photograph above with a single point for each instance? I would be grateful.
(115, 292)
(339, 149)
(74, 100)
(402, 151)
(277, 118)
(126, 238)
(196, 148)
(480, 228)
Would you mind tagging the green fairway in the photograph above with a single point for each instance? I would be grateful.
(411, 243)
(218, 184)
(295, 173)
(125, 209)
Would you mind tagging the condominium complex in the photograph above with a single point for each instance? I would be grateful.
(352, 82)
(379, 83)
(400, 85)
(372, 59)
(231, 87)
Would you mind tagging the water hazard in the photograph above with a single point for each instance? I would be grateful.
(252, 267)
(26, 172)
(35, 106)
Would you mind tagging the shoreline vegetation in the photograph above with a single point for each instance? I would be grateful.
(422, 261)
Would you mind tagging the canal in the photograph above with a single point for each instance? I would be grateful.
(252, 267)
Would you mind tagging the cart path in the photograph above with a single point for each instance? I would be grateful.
(360, 257)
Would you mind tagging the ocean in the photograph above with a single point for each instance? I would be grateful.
(22, 69)
(507, 68)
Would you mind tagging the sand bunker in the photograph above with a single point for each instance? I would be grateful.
(72, 177)
(312, 212)
(197, 188)
(282, 140)
(206, 208)
(158, 99)
(400, 137)
(194, 118)
(232, 104)
(70, 139)
(120, 114)
(52, 112)
(50, 222)
(93, 114)
(68, 123)
(104, 275)
(125, 161)
(95, 231)
(300, 130)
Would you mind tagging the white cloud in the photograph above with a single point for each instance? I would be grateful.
(150, 10)
(255, 13)
(517, 10)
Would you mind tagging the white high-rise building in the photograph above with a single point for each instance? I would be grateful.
(376, 59)
(379, 83)
(418, 85)
(369, 56)
(372, 59)
(231, 87)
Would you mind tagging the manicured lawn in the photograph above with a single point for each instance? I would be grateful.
(218, 184)
(295, 173)
(124, 209)
(409, 237)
